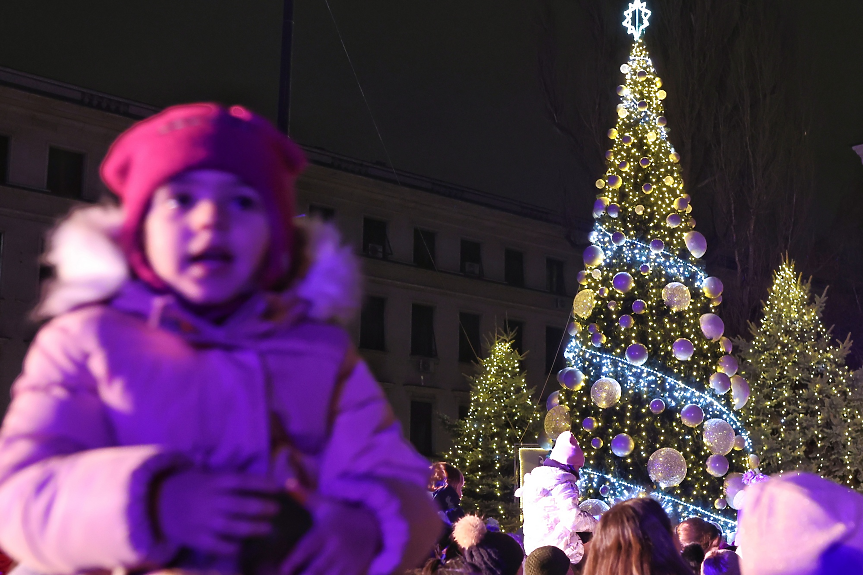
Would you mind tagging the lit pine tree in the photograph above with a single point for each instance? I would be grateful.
(646, 392)
(802, 412)
(500, 416)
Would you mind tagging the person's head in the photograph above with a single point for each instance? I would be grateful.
(207, 194)
(803, 524)
(444, 474)
(487, 552)
(634, 537)
(721, 562)
(567, 451)
(693, 554)
(697, 530)
(548, 560)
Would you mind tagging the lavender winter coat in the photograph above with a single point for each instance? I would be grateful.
(123, 384)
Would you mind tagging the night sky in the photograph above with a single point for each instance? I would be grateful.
(452, 84)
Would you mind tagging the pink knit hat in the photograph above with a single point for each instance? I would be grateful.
(204, 136)
(567, 451)
(801, 524)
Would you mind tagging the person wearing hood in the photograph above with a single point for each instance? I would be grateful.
(550, 501)
(193, 395)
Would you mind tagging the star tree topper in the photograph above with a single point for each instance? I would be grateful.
(639, 10)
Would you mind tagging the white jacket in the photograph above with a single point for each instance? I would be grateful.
(551, 514)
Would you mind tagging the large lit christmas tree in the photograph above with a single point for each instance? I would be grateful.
(651, 388)
(802, 412)
(500, 417)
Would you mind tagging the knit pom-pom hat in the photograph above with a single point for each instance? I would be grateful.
(204, 136)
(567, 451)
(489, 552)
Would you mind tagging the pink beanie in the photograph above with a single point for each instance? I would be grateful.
(204, 136)
(567, 451)
(801, 524)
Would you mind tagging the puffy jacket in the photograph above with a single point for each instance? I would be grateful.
(551, 515)
(124, 384)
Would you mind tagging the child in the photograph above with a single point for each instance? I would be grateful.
(192, 371)
(446, 485)
(483, 552)
(550, 499)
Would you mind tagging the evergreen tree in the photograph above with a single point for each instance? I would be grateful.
(501, 415)
(803, 413)
(646, 393)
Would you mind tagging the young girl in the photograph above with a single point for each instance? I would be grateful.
(446, 484)
(192, 372)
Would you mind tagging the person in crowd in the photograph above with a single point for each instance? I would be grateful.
(635, 537)
(697, 530)
(547, 560)
(721, 562)
(446, 486)
(193, 382)
(801, 524)
(480, 551)
(550, 501)
(693, 554)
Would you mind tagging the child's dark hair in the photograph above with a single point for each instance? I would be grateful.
(444, 473)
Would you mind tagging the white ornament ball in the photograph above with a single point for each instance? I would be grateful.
(725, 344)
(667, 467)
(593, 256)
(727, 365)
(720, 382)
(622, 282)
(657, 406)
(683, 349)
(618, 238)
(571, 378)
(594, 507)
(639, 306)
(717, 465)
(636, 354)
(754, 461)
(581, 277)
(657, 246)
(720, 503)
(622, 445)
(599, 206)
(739, 443)
(676, 296)
(553, 400)
(692, 415)
(733, 485)
(673, 220)
(605, 392)
(712, 287)
(626, 321)
(739, 391)
(584, 302)
(718, 436)
(712, 326)
(613, 210)
(695, 243)
(596, 273)
(680, 203)
(589, 423)
(739, 500)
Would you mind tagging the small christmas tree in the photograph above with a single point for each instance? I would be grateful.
(802, 412)
(651, 390)
(501, 414)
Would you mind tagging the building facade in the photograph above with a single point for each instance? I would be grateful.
(445, 266)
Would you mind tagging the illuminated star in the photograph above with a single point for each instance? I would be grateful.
(641, 14)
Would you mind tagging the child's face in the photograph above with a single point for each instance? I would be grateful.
(205, 235)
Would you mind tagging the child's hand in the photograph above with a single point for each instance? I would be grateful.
(214, 512)
(342, 541)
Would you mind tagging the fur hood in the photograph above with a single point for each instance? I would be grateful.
(89, 266)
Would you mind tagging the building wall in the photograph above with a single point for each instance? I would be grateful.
(39, 114)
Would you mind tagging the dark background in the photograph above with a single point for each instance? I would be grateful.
(452, 86)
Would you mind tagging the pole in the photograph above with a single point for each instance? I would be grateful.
(284, 114)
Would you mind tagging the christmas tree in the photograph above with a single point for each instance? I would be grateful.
(802, 410)
(647, 390)
(501, 415)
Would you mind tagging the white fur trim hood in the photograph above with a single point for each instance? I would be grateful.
(89, 266)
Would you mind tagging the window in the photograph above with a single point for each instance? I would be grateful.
(471, 258)
(554, 276)
(421, 426)
(468, 337)
(424, 252)
(65, 173)
(518, 328)
(372, 327)
(554, 346)
(323, 213)
(422, 331)
(375, 241)
(4, 159)
(513, 268)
